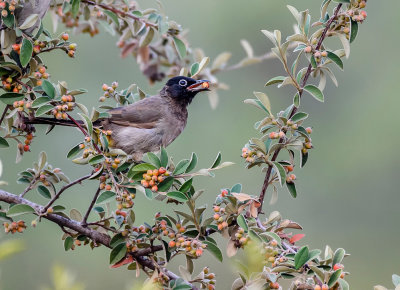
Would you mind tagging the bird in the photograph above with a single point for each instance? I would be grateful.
(149, 124)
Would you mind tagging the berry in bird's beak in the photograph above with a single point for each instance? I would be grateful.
(201, 85)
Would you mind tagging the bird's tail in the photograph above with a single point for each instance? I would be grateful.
(51, 121)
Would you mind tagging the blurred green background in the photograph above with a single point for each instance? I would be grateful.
(348, 192)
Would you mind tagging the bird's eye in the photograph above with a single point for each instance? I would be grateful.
(183, 83)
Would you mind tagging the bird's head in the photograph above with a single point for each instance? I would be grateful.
(184, 89)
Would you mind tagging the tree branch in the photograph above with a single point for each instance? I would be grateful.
(94, 235)
(306, 77)
(79, 180)
(84, 221)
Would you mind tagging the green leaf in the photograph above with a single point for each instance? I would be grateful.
(178, 196)
(292, 188)
(148, 193)
(154, 159)
(3, 143)
(96, 160)
(49, 89)
(19, 209)
(193, 163)
(396, 280)
(194, 68)
(213, 249)
(315, 92)
(217, 160)
(301, 257)
(43, 110)
(335, 276)
(68, 243)
(40, 101)
(268, 236)
(75, 7)
(88, 123)
(342, 1)
(241, 221)
(304, 158)
(336, 59)
(296, 100)
(74, 151)
(343, 284)
(143, 167)
(237, 188)
(300, 116)
(280, 171)
(26, 52)
(338, 256)
(113, 16)
(105, 196)
(275, 80)
(117, 253)
(164, 157)
(254, 236)
(186, 186)
(43, 191)
(180, 47)
(10, 98)
(181, 167)
(354, 30)
(166, 184)
(117, 239)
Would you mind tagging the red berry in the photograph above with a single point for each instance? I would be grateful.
(26, 148)
(65, 36)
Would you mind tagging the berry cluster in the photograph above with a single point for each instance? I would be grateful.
(14, 227)
(209, 279)
(241, 237)
(19, 105)
(40, 74)
(109, 91)
(251, 155)
(125, 200)
(152, 178)
(67, 104)
(28, 141)
(218, 217)
(10, 85)
(11, 7)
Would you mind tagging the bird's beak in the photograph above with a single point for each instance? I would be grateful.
(199, 86)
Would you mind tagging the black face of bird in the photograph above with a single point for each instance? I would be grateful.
(185, 89)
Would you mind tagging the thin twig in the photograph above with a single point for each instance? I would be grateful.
(120, 12)
(30, 187)
(84, 221)
(79, 180)
(306, 77)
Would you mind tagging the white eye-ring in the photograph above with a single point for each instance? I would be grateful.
(183, 83)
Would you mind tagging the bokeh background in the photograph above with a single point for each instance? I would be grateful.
(348, 192)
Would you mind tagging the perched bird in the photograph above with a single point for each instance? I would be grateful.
(150, 123)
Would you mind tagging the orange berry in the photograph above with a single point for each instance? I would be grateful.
(16, 46)
(337, 266)
(108, 187)
(224, 193)
(154, 188)
(317, 287)
(50, 210)
(289, 168)
(325, 287)
(26, 148)
(308, 49)
(162, 170)
(309, 130)
(65, 36)
(172, 244)
(42, 69)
